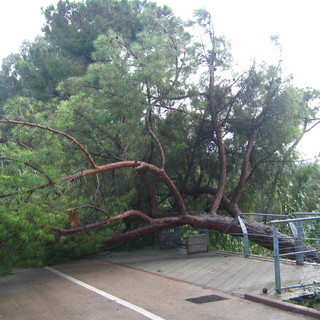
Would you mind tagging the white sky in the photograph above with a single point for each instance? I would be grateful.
(248, 24)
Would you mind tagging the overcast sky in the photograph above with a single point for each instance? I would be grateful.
(248, 24)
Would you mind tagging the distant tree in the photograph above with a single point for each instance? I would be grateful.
(73, 26)
(68, 44)
(9, 79)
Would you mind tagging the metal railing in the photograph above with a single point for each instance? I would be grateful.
(294, 226)
(300, 251)
(245, 234)
(289, 225)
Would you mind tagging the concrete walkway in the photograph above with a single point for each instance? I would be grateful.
(223, 271)
(40, 294)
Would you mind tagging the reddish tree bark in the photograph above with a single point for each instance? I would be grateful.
(259, 233)
(245, 166)
(155, 221)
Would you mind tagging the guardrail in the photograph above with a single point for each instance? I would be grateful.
(294, 226)
(300, 237)
(291, 225)
(245, 233)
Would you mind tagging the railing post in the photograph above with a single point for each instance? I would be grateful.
(245, 237)
(299, 245)
(276, 259)
(207, 234)
(177, 235)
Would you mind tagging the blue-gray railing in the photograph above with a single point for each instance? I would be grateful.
(245, 234)
(297, 230)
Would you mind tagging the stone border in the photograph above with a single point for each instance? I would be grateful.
(283, 305)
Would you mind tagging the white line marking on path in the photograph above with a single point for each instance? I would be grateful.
(127, 304)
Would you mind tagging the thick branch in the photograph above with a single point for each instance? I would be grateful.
(155, 138)
(261, 234)
(102, 223)
(213, 110)
(139, 232)
(152, 192)
(222, 166)
(225, 203)
(148, 115)
(138, 165)
(245, 165)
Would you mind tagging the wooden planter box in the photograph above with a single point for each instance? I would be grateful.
(197, 243)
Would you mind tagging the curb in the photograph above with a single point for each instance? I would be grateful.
(283, 305)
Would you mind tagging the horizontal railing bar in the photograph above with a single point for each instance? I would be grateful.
(300, 286)
(298, 252)
(294, 220)
(263, 214)
(307, 213)
(252, 234)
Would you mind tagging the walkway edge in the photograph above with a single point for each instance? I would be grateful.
(283, 305)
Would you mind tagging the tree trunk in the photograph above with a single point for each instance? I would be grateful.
(261, 234)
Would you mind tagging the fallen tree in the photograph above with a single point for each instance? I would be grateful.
(156, 221)
(170, 136)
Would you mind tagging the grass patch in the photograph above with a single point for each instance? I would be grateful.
(310, 301)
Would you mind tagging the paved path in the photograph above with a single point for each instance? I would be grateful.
(38, 294)
(92, 289)
(230, 272)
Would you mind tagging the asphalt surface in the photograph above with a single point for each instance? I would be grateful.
(100, 289)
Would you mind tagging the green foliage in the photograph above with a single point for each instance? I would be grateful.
(310, 301)
(226, 242)
(41, 69)
(73, 26)
(35, 72)
(24, 234)
(68, 45)
(27, 240)
(297, 189)
(9, 79)
(107, 73)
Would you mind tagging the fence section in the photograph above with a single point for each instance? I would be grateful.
(304, 229)
(262, 217)
(306, 232)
